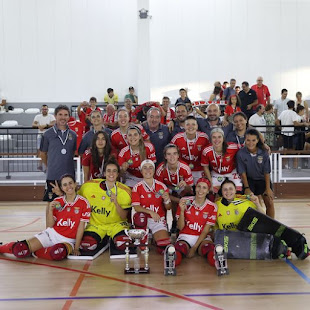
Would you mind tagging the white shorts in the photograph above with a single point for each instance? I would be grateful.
(218, 179)
(191, 239)
(156, 226)
(197, 175)
(50, 237)
(132, 180)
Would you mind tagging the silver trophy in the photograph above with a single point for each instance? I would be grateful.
(136, 235)
(220, 260)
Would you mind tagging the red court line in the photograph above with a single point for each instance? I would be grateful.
(76, 286)
(9, 229)
(118, 280)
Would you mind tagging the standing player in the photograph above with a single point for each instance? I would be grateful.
(191, 144)
(253, 165)
(66, 218)
(57, 148)
(119, 136)
(219, 161)
(94, 158)
(133, 154)
(151, 198)
(196, 216)
(110, 202)
(176, 175)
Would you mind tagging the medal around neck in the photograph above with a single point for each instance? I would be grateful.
(130, 161)
(63, 151)
(58, 206)
(109, 192)
(191, 166)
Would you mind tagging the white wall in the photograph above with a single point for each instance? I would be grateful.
(69, 50)
(66, 50)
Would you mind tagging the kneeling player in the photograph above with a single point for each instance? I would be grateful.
(66, 218)
(196, 216)
(150, 198)
(110, 202)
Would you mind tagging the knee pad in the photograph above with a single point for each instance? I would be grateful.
(206, 248)
(89, 243)
(21, 249)
(120, 241)
(181, 247)
(140, 220)
(161, 245)
(58, 251)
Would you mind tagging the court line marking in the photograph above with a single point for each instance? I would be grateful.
(182, 297)
(76, 286)
(298, 271)
(13, 228)
(154, 296)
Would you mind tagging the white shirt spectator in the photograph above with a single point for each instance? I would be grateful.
(281, 105)
(43, 120)
(288, 117)
(258, 120)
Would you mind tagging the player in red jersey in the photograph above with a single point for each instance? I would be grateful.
(219, 161)
(133, 154)
(93, 159)
(66, 218)
(196, 216)
(177, 176)
(119, 136)
(151, 198)
(191, 144)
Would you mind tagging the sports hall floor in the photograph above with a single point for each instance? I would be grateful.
(101, 284)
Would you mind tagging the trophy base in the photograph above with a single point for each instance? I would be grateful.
(136, 271)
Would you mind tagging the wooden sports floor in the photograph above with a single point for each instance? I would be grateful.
(100, 284)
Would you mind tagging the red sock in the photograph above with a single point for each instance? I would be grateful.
(7, 248)
(43, 253)
(178, 259)
(210, 258)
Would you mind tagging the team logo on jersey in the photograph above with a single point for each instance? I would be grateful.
(183, 149)
(259, 159)
(76, 210)
(228, 212)
(199, 147)
(137, 158)
(220, 179)
(103, 197)
(197, 213)
(142, 196)
(150, 195)
(92, 196)
(227, 158)
(205, 215)
(236, 211)
(76, 129)
(219, 214)
(68, 209)
(160, 135)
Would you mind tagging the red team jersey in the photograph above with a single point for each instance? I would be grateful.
(94, 173)
(229, 110)
(67, 219)
(166, 119)
(172, 179)
(78, 128)
(191, 150)
(149, 198)
(134, 168)
(221, 164)
(119, 140)
(197, 217)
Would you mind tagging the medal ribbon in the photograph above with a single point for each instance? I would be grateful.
(215, 158)
(177, 172)
(60, 138)
(188, 148)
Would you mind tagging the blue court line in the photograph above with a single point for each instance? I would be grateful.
(151, 296)
(81, 297)
(298, 271)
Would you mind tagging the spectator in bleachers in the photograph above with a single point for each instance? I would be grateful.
(109, 118)
(248, 99)
(233, 106)
(159, 133)
(85, 109)
(183, 97)
(270, 120)
(42, 121)
(281, 104)
(97, 125)
(194, 111)
(178, 124)
(229, 91)
(57, 148)
(262, 92)
(216, 95)
(300, 102)
(2, 104)
(237, 89)
(225, 85)
(299, 137)
(129, 108)
(213, 120)
(167, 114)
(218, 84)
(119, 135)
(132, 96)
(110, 97)
(96, 156)
(258, 119)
